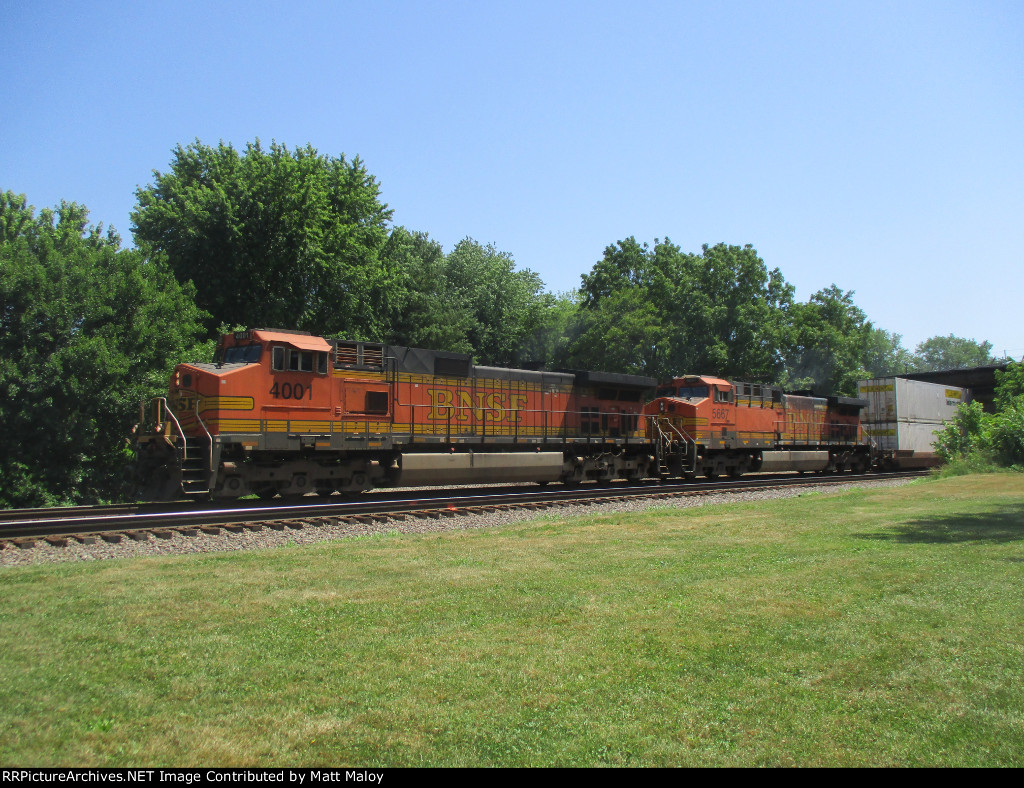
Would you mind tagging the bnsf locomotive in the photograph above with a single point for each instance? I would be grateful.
(711, 426)
(282, 412)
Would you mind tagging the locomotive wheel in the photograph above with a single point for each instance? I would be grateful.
(576, 478)
(635, 475)
(265, 491)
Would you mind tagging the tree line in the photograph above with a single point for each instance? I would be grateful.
(272, 237)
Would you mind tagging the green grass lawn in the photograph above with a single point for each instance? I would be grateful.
(872, 627)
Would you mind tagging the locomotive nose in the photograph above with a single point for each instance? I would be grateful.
(184, 377)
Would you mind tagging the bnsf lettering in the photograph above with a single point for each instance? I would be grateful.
(291, 391)
(493, 406)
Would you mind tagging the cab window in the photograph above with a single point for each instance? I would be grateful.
(693, 392)
(290, 359)
(300, 360)
(241, 354)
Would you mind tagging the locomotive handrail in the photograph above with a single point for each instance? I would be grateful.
(209, 464)
(807, 432)
(683, 434)
(164, 406)
(487, 427)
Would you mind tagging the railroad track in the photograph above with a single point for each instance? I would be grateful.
(27, 528)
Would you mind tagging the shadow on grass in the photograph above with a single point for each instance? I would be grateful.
(1005, 524)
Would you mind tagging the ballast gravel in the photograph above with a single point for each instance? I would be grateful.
(178, 544)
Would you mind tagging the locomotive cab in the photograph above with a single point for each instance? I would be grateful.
(693, 420)
(690, 389)
(216, 416)
(691, 402)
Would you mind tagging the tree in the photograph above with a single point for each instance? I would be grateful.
(953, 352)
(739, 308)
(472, 300)
(668, 313)
(626, 302)
(503, 306)
(625, 333)
(980, 440)
(289, 239)
(832, 345)
(548, 344)
(423, 311)
(829, 338)
(1009, 385)
(884, 354)
(87, 330)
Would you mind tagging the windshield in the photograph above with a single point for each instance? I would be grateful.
(692, 392)
(242, 354)
(684, 392)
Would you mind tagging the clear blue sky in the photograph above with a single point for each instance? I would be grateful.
(877, 145)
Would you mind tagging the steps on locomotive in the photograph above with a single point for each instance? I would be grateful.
(669, 441)
(195, 466)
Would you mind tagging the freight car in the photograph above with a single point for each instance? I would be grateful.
(903, 416)
(284, 412)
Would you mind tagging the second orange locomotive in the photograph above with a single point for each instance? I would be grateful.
(717, 427)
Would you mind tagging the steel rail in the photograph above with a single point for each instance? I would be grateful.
(98, 524)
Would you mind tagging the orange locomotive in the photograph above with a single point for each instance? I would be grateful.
(706, 425)
(285, 412)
